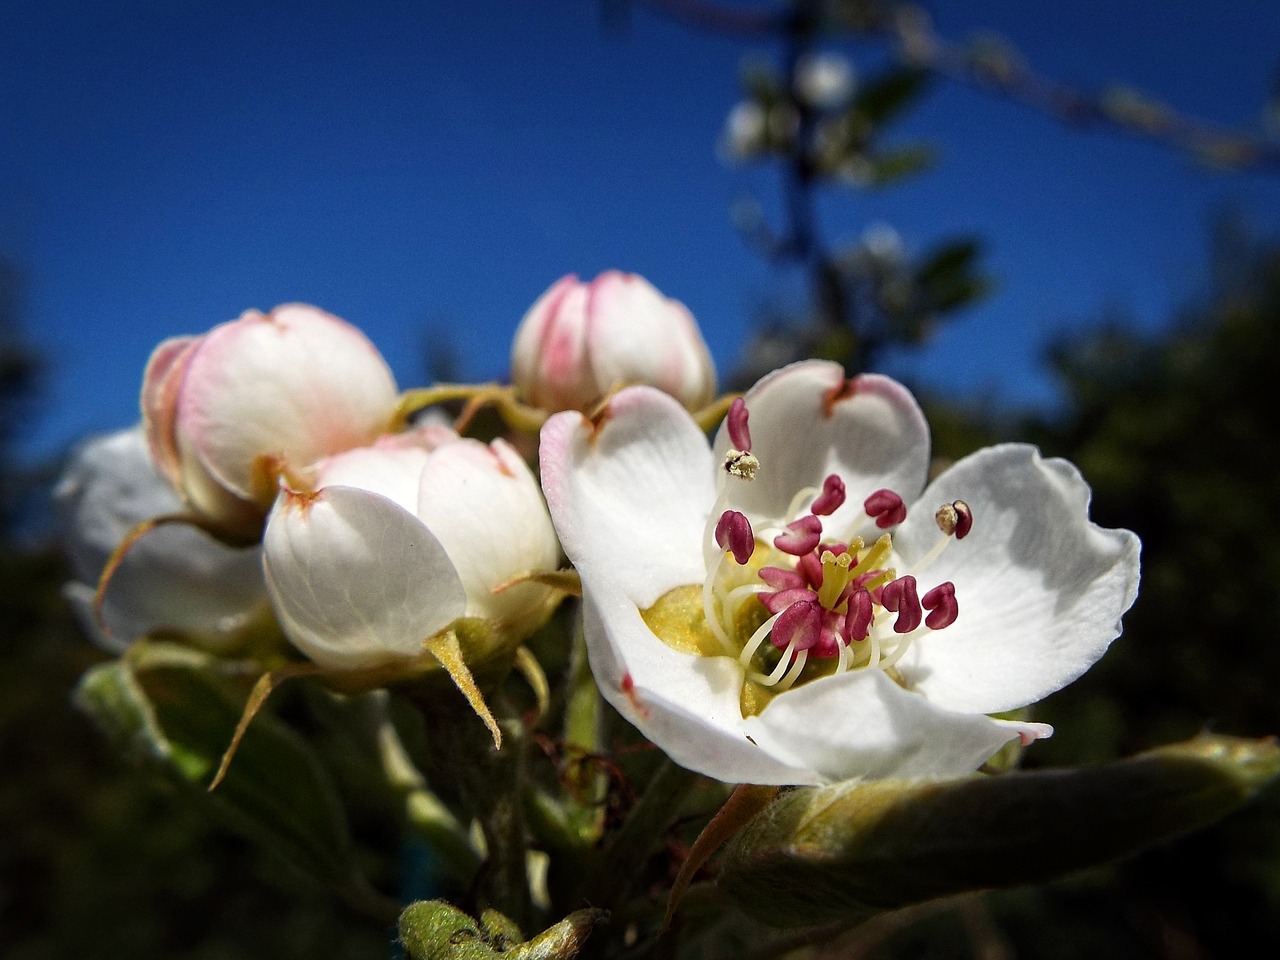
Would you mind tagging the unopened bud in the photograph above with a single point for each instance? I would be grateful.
(580, 341)
(435, 930)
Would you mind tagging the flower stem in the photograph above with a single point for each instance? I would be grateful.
(609, 883)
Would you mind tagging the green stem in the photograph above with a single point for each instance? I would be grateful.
(638, 837)
(426, 814)
(490, 782)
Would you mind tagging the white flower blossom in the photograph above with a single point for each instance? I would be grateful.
(830, 617)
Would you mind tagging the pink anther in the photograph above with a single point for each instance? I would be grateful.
(832, 497)
(900, 596)
(800, 623)
(942, 606)
(739, 435)
(733, 533)
(800, 536)
(886, 507)
(857, 620)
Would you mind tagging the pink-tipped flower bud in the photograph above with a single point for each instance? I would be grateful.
(397, 540)
(226, 411)
(580, 340)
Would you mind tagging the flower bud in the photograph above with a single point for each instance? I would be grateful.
(436, 930)
(580, 341)
(824, 80)
(225, 411)
(175, 580)
(849, 850)
(396, 541)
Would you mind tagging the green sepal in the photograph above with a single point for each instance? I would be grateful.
(850, 850)
(436, 930)
(171, 710)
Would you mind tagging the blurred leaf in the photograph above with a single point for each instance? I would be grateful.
(172, 713)
(956, 256)
(891, 166)
(948, 277)
(850, 850)
(882, 97)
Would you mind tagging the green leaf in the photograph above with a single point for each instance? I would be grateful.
(850, 850)
(888, 94)
(170, 711)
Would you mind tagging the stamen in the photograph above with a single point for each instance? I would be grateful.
(781, 579)
(739, 434)
(709, 612)
(954, 518)
(857, 619)
(741, 464)
(733, 533)
(942, 606)
(886, 508)
(900, 597)
(797, 667)
(757, 638)
(800, 625)
(832, 498)
(780, 668)
(800, 536)
(777, 602)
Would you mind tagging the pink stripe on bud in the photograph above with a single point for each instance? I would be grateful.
(801, 536)
(733, 533)
(800, 623)
(942, 606)
(886, 507)
(739, 435)
(900, 596)
(832, 497)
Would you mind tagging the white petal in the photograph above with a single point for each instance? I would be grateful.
(110, 484)
(687, 705)
(392, 470)
(630, 500)
(806, 422)
(355, 579)
(862, 724)
(175, 578)
(1040, 588)
(483, 504)
(297, 383)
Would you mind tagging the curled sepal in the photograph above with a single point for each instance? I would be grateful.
(435, 930)
(849, 850)
(468, 653)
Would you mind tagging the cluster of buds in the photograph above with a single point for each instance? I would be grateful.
(717, 582)
(278, 487)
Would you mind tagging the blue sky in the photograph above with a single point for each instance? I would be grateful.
(425, 169)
